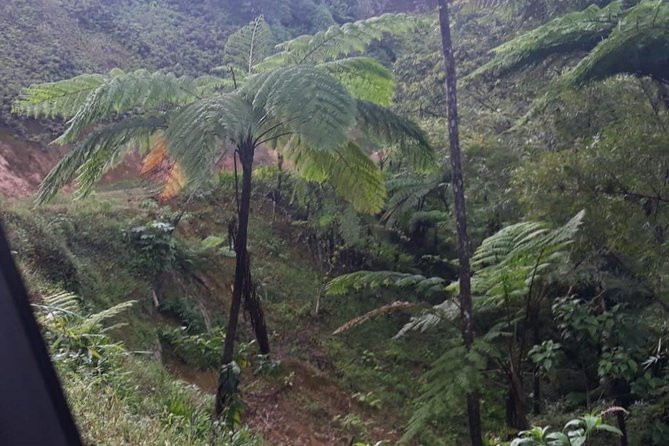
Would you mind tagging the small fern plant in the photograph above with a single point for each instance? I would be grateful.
(77, 339)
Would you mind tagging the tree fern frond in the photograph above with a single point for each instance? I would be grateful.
(95, 321)
(376, 279)
(199, 132)
(123, 92)
(447, 310)
(91, 157)
(376, 313)
(309, 101)
(385, 126)
(509, 262)
(354, 176)
(57, 99)
(337, 41)
(210, 85)
(248, 46)
(580, 30)
(364, 78)
(639, 45)
(457, 372)
(406, 191)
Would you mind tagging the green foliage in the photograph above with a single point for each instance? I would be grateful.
(76, 339)
(202, 350)
(375, 279)
(337, 41)
(638, 45)
(546, 357)
(156, 247)
(581, 30)
(364, 78)
(456, 373)
(247, 46)
(621, 38)
(576, 433)
(508, 264)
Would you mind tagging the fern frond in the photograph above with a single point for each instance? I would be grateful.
(248, 46)
(509, 262)
(572, 32)
(337, 41)
(376, 279)
(94, 321)
(199, 132)
(364, 78)
(61, 302)
(639, 45)
(407, 190)
(447, 310)
(354, 176)
(210, 85)
(123, 92)
(310, 102)
(57, 99)
(385, 126)
(376, 313)
(457, 372)
(91, 157)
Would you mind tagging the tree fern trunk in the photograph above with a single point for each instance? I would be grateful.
(227, 383)
(473, 404)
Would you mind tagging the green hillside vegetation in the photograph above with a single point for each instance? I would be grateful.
(343, 242)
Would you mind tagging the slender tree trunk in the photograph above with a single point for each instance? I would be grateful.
(254, 308)
(623, 428)
(516, 416)
(473, 403)
(243, 288)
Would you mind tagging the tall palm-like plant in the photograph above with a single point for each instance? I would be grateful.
(313, 100)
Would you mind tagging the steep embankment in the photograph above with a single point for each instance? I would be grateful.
(89, 248)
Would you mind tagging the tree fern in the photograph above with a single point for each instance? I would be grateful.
(408, 189)
(310, 112)
(199, 132)
(310, 102)
(348, 169)
(507, 264)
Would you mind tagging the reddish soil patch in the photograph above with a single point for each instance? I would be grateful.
(23, 165)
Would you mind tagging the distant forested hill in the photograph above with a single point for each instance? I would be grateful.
(45, 40)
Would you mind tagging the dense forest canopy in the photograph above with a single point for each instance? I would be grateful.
(298, 162)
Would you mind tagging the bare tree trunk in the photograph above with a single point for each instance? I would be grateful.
(243, 288)
(473, 403)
